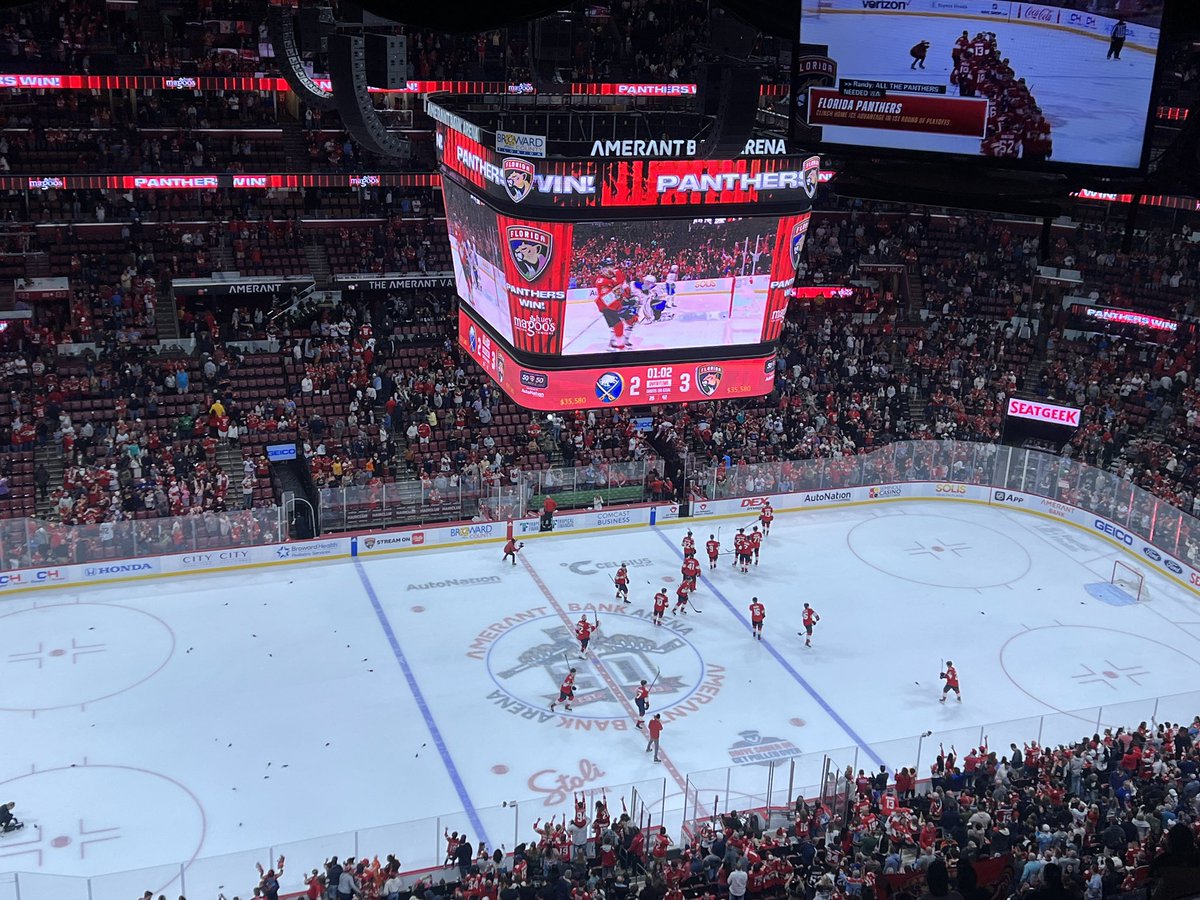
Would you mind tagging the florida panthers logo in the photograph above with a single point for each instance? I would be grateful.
(518, 178)
(530, 249)
(708, 379)
(812, 175)
(796, 242)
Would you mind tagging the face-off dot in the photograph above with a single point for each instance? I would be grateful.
(499, 769)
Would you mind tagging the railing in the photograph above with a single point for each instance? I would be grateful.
(26, 543)
(440, 500)
(1031, 471)
(761, 784)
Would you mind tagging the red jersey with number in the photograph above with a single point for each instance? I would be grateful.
(767, 515)
(810, 617)
(681, 593)
(691, 567)
(713, 548)
(689, 544)
(660, 602)
(757, 612)
(755, 540)
(584, 630)
(622, 576)
(643, 692)
(609, 290)
(741, 544)
(951, 676)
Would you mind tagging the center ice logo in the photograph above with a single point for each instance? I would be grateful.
(530, 249)
(518, 178)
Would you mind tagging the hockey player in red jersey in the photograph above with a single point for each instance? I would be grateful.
(583, 633)
(713, 548)
(566, 691)
(950, 676)
(689, 546)
(755, 538)
(660, 606)
(642, 698)
(741, 550)
(690, 572)
(758, 612)
(765, 518)
(621, 580)
(810, 620)
(681, 598)
(511, 549)
(612, 295)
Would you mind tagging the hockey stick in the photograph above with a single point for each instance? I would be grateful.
(656, 674)
(693, 606)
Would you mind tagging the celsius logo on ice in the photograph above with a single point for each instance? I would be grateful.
(1113, 531)
(885, 4)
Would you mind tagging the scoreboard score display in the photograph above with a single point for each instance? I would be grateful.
(588, 283)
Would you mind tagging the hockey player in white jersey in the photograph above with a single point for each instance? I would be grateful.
(653, 299)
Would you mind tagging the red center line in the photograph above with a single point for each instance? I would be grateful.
(613, 687)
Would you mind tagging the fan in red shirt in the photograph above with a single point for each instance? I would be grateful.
(758, 612)
(713, 548)
(511, 547)
(660, 606)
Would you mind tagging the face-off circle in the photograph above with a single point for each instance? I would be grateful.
(939, 551)
(1074, 668)
(77, 653)
(101, 831)
(529, 662)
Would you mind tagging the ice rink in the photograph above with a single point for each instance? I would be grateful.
(1096, 107)
(181, 719)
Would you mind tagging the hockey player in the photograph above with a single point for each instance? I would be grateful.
(950, 676)
(741, 549)
(755, 538)
(917, 53)
(690, 572)
(713, 548)
(660, 606)
(963, 43)
(652, 297)
(621, 580)
(612, 293)
(758, 612)
(765, 518)
(689, 546)
(583, 633)
(642, 698)
(511, 548)
(566, 691)
(681, 598)
(672, 279)
(810, 620)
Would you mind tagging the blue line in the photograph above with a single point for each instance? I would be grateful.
(812, 691)
(438, 741)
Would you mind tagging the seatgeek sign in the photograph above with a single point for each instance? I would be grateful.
(1043, 412)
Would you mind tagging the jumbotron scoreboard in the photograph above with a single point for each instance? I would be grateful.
(616, 258)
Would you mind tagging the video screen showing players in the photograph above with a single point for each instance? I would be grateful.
(475, 249)
(1040, 83)
(661, 285)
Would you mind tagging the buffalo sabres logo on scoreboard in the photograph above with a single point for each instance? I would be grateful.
(530, 250)
(708, 378)
(812, 175)
(518, 178)
(473, 339)
(796, 242)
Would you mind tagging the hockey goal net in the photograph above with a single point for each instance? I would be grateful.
(1129, 579)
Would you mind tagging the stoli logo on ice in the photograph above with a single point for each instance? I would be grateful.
(557, 787)
(1043, 412)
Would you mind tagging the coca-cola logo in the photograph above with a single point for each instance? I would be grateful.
(1039, 14)
(536, 325)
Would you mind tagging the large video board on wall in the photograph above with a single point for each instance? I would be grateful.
(1024, 83)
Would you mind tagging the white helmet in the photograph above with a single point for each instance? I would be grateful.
(650, 279)
(674, 268)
